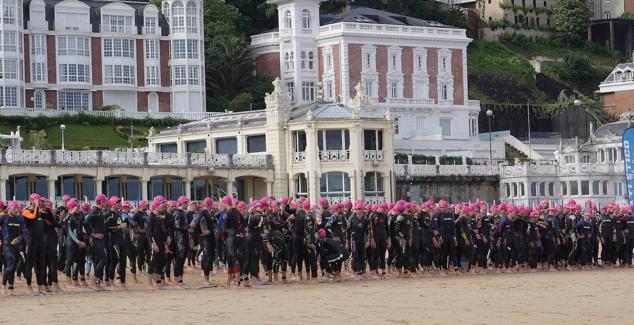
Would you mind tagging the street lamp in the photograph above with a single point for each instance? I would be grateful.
(62, 128)
(489, 115)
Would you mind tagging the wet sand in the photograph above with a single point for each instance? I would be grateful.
(578, 297)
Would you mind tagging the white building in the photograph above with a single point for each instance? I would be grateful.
(593, 170)
(414, 68)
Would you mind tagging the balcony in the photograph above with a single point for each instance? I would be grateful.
(334, 155)
(373, 155)
(118, 29)
(299, 157)
(151, 30)
(437, 167)
(97, 158)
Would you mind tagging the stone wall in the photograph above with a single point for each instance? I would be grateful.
(450, 188)
(494, 35)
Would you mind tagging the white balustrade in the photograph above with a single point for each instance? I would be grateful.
(28, 157)
(421, 170)
(299, 157)
(337, 199)
(334, 155)
(450, 170)
(399, 170)
(32, 112)
(166, 159)
(371, 155)
(374, 199)
(250, 161)
(73, 157)
(122, 158)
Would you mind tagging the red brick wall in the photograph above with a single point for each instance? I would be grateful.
(52, 64)
(268, 64)
(629, 7)
(164, 48)
(164, 102)
(27, 60)
(456, 70)
(97, 74)
(617, 103)
(140, 76)
(97, 99)
(432, 70)
(336, 64)
(407, 66)
(51, 98)
(354, 67)
(28, 97)
(141, 98)
(381, 68)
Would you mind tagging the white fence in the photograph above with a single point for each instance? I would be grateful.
(32, 112)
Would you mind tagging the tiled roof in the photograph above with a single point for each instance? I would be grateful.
(367, 15)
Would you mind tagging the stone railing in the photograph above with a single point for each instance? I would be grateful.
(131, 159)
(334, 155)
(266, 38)
(374, 199)
(32, 112)
(394, 30)
(439, 167)
(372, 155)
(409, 101)
(299, 157)
(554, 169)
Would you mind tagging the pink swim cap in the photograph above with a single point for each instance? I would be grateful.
(101, 198)
(72, 203)
(321, 233)
(182, 200)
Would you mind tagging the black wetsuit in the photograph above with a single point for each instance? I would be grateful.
(298, 237)
(140, 239)
(232, 227)
(157, 234)
(255, 222)
(75, 256)
(206, 225)
(181, 241)
(117, 247)
(12, 227)
(584, 232)
(95, 223)
(380, 235)
(444, 223)
(332, 254)
(278, 229)
(358, 234)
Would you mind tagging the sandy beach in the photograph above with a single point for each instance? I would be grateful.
(579, 297)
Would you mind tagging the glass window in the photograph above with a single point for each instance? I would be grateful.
(38, 99)
(542, 189)
(290, 87)
(605, 188)
(120, 74)
(176, 188)
(299, 141)
(306, 19)
(73, 45)
(113, 186)
(168, 148)
(117, 24)
(197, 146)
(192, 49)
(152, 75)
(334, 184)
(533, 189)
(301, 185)
(574, 188)
(156, 185)
(373, 184)
(151, 49)
(373, 139)
(9, 40)
(38, 71)
(73, 100)
(333, 139)
(227, 146)
(38, 44)
(133, 189)
(180, 75)
(192, 17)
(445, 125)
(596, 186)
(564, 188)
(308, 91)
(256, 143)
(288, 20)
(8, 12)
(394, 90)
(179, 49)
(88, 187)
(193, 75)
(9, 69)
(178, 17)
(72, 72)
(585, 187)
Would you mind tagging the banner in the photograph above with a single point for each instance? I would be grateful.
(628, 143)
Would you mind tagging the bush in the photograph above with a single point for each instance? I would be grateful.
(41, 122)
(112, 107)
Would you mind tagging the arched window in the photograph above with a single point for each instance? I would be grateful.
(288, 20)
(373, 184)
(306, 19)
(178, 17)
(301, 185)
(192, 17)
(335, 185)
(166, 11)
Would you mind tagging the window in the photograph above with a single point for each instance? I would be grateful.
(330, 92)
(151, 49)
(542, 189)
(38, 44)
(9, 96)
(180, 75)
(72, 72)
(606, 15)
(302, 60)
(533, 189)
(574, 188)
(473, 127)
(328, 60)
(373, 139)
(192, 49)
(152, 75)
(611, 154)
(193, 75)
(367, 63)
(192, 18)
(38, 99)
(8, 11)
(38, 71)
(168, 147)
(604, 188)
(289, 63)
(299, 141)
(150, 24)
(507, 190)
(120, 74)
(166, 11)
(8, 69)
(445, 125)
(514, 186)
(288, 20)
(369, 88)
(569, 159)
(227, 146)
(306, 19)
(301, 185)
(178, 17)
(396, 125)
(290, 87)
(197, 146)
(179, 50)
(9, 41)
(72, 100)
(117, 24)
(308, 91)
(118, 47)
(73, 45)
(596, 185)
(311, 60)
(564, 188)
(334, 184)
(256, 143)
(394, 90)
(551, 189)
(373, 184)
(444, 92)
(419, 63)
(333, 139)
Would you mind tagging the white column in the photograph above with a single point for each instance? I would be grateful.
(210, 181)
(51, 188)
(269, 187)
(144, 183)
(98, 186)
(3, 189)
(229, 189)
(188, 188)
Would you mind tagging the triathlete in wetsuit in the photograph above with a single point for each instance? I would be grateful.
(13, 233)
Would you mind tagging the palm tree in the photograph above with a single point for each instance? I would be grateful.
(230, 65)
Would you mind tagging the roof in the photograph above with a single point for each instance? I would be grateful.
(615, 128)
(95, 14)
(620, 68)
(331, 111)
(222, 120)
(361, 14)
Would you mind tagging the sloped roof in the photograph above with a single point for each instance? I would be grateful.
(367, 15)
(331, 111)
(619, 68)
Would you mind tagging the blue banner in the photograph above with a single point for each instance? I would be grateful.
(628, 159)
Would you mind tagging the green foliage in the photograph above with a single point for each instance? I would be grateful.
(627, 15)
(112, 107)
(255, 16)
(242, 102)
(578, 71)
(231, 66)
(571, 17)
(41, 122)
(135, 141)
(39, 141)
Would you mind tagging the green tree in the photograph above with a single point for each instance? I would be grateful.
(38, 138)
(230, 66)
(571, 18)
